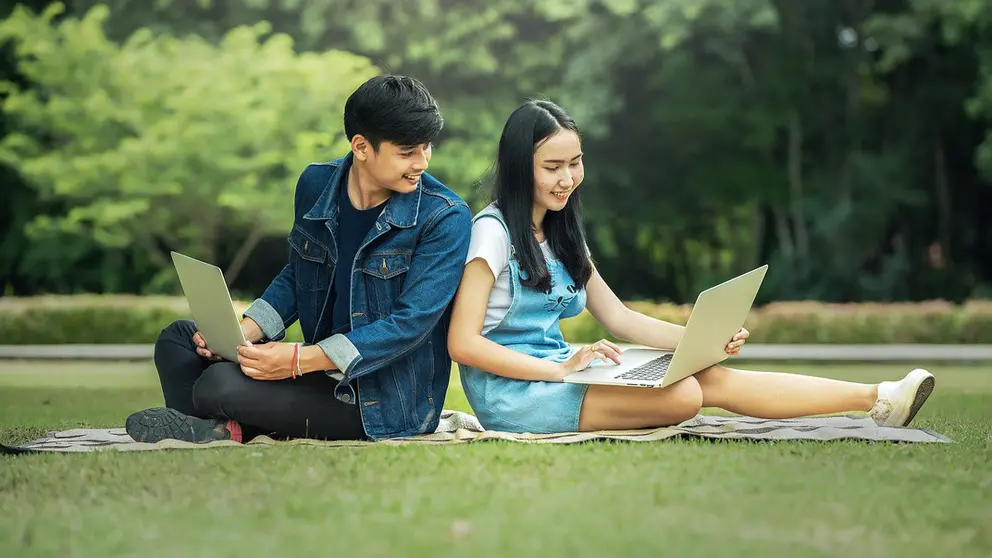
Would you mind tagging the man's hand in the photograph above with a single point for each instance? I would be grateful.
(269, 361)
(250, 329)
(202, 349)
(734, 347)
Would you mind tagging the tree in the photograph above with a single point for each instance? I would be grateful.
(842, 142)
(162, 143)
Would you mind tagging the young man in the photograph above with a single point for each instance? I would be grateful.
(377, 253)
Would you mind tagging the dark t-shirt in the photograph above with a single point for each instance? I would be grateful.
(353, 225)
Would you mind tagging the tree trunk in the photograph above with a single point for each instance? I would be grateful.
(242, 255)
(759, 235)
(784, 234)
(944, 211)
(797, 198)
(858, 11)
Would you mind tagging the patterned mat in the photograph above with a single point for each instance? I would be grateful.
(457, 428)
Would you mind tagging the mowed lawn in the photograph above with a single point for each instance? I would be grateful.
(675, 498)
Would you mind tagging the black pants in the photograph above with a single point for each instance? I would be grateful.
(300, 408)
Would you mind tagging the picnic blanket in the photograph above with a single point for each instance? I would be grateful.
(458, 428)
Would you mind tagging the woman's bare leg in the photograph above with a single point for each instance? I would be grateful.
(776, 395)
(624, 408)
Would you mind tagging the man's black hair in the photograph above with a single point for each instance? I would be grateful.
(392, 108)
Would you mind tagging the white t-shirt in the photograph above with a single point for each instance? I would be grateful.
(491, 243)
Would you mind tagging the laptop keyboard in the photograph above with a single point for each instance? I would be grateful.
(651, 370)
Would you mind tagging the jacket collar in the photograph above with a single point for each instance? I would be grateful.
(401, 210)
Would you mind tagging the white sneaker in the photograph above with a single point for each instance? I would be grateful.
(898, 402)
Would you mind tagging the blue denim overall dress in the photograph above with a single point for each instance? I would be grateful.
(530, 327)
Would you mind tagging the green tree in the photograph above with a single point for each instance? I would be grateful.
(843, 142)
(162, 143)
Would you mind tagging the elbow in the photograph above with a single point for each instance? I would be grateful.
(616, 326)
(456, 347)
(463, 348)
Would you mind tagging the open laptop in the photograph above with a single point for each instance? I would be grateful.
(210, 302)
(718, 314)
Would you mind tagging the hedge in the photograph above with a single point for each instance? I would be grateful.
(134, 319)
(929, 322)
(94, 319)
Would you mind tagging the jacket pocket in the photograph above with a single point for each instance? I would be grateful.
(384, 274)
(310, 261)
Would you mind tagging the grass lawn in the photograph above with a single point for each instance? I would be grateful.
(678, 497)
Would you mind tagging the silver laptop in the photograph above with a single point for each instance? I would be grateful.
(211, 305)
(718, 314)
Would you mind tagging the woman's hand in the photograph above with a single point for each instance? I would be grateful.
(269, 361)
(734, 347)
(602, 349)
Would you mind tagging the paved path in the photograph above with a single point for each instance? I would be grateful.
(864, 353)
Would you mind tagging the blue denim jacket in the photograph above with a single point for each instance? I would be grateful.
(405, 275)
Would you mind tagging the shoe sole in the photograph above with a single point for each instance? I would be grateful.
(154, 425)
(922, 393)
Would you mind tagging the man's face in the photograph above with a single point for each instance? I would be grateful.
(395, 167)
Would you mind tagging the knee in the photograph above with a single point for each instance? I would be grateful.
(217, 386)
(179, 331)
(711, 376)
(685, 400)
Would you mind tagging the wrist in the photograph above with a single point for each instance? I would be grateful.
(251, 330)
(313, 359)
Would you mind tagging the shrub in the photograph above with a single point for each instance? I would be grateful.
(135, 319)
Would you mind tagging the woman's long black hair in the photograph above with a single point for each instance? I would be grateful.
(528, 126)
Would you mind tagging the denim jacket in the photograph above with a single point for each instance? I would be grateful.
(404, 277)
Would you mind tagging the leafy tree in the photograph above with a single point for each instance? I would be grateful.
(844, 142)
(165, 143)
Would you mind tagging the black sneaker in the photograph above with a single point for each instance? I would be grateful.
(152, 425)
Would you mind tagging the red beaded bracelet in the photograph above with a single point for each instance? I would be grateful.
(296, 357)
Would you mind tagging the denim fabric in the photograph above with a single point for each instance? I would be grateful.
(531, 326)
(394, 361)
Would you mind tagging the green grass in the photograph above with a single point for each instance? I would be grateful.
(678, 497)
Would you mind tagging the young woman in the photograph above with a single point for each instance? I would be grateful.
(528, 267)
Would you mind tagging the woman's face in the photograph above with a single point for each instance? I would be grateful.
(557, 170)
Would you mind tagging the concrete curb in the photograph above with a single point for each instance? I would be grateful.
(834, 353)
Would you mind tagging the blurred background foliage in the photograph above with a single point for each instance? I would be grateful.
(844, 142)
